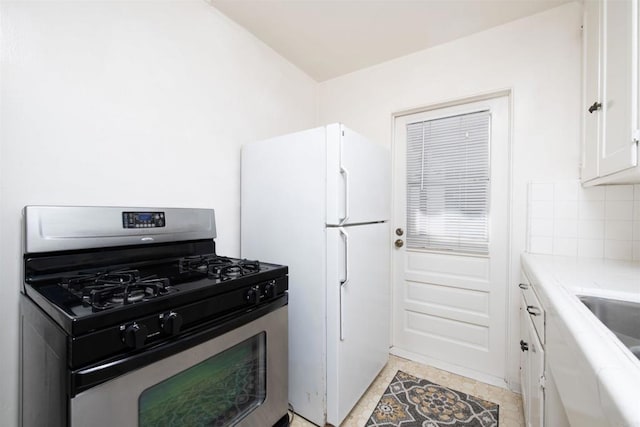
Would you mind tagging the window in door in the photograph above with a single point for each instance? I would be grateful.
(448, 183)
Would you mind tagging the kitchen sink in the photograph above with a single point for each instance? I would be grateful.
(621, 317)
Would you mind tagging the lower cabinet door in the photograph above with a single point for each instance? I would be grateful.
(554, 413)
(536, 369)
(524, 357)
(531, 370)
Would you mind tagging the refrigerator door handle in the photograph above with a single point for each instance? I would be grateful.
(345, 239)
(343, 283)
(345, 173)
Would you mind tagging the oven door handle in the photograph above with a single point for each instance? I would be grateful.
(85, 378)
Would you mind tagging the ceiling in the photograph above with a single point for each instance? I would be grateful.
(329, 38)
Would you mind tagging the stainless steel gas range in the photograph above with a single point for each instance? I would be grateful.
(129, 318)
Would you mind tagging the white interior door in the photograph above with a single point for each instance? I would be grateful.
(358, 313)
(450, 306)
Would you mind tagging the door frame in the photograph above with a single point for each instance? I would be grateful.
(512, 328)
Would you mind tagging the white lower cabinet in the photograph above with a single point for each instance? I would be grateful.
(540, 399)
(531, 370)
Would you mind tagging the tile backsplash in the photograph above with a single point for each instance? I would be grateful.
(597, 222)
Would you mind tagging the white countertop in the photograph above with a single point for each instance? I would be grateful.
(602, 277)
(597, 376)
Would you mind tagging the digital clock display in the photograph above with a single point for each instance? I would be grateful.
(143, 219)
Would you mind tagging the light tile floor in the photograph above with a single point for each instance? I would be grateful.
(510, 413)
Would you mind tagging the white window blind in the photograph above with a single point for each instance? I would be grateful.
(448, 183)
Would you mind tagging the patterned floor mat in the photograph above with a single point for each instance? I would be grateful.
(415, 402)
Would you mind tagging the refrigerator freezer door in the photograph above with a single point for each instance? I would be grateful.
(358, 178)
(357, 313)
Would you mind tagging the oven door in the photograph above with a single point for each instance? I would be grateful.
(237, 378)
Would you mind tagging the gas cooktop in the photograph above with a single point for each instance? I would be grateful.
(110, 288)
(93, 298)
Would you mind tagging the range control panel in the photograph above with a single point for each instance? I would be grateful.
(143, 219)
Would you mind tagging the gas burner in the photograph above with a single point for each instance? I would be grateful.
(86, 282)
(216, 267)
(103, 290)
(128, 297)
(201, 264)
(233, 271)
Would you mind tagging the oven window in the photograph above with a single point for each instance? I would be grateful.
(217, 392)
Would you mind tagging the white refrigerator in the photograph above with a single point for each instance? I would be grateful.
(319, 202)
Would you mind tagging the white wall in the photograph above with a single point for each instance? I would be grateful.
(538, 57)
(129, 103)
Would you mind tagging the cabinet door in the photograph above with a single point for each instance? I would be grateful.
(536, 369)
(591, 90)
(524, 357)
(531, 370)
(554, 413)
(619, 76)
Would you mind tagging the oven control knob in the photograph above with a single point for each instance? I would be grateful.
(270, 289)
(135, 335)
(253, 295)
(171, 323)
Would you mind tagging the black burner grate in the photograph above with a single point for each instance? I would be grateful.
(107, 289)
(103, 290)
(216, 267)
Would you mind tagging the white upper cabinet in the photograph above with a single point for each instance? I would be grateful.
(610, 115)
(591, 89)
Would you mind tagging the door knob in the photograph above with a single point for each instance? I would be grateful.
(399, 231)
(399, 243)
